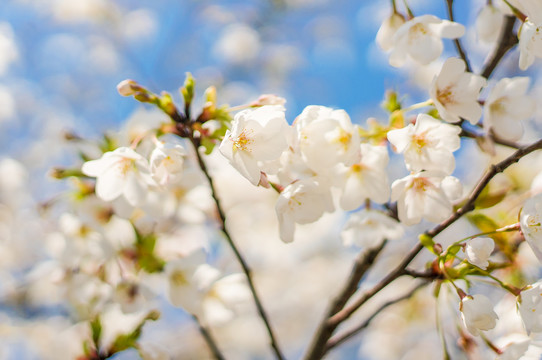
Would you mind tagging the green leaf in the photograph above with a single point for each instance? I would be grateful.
(486, 199)
(486, 224)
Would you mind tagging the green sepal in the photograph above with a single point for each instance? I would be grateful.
(427, 242)
(96, 330)
(486, 199)
(434, 113)
(451, 252)
(126, 341)
(208, 144)
(187, 91)
(146, 259)
(166, 104)
(391, 102)
(377, 134)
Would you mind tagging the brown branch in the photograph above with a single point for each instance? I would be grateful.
(506, 41)
(400, 269)
(497, 140)
(209, 340)
(457, 43)
(339, 339)
(246, 269)
(362, 264)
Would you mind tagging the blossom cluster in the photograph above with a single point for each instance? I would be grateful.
(150, 215)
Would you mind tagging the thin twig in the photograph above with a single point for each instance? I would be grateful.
(240, 259)
(400, 269)
(340, 338)
(497, 140)
(457, 43)
(506, 41)
(209, 340)
(362, 264)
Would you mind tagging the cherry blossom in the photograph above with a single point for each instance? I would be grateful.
(256, 135)
(326, 137)
(427, 145)
(478, 314)
(478, 251)
(530, 307)
(366, 179)
(368, 228)
(426, 194)
(455, 92)
(530, 39)
(301, 202)
(530, 221)
(506, 105)
(167, 160)
(122, 172)
(421, 39)
(188, 280)
(384, 36)
(488, 23)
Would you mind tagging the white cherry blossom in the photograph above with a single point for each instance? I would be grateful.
(530, 221)
(189, 278)
(326, 137)
(455, 92)
(530, 307)
(368, 228)
(301, 202)
(131, 295)
(426, 194)
(384, 36)
(478, 314)
(421, 39)
(122, 172)
(167, 160)
(506, 105)
(366, 179)
(256, 135)
(478, 251)
(427, 145)
(530, 34)
(488, 23)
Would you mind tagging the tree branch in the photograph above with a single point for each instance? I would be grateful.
(209, 340)
(506, 41)
(400, 269)
(362, 264)
(246, 269)
(497, 140)
(457, 43)
(339, 339)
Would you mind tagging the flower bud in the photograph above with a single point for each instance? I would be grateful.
(387, 30)
(269, 99)
(489, 23)
(477, 313)
(129, 87)
(478, 251)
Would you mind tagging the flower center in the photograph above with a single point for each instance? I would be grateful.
(178, 278)
(421, 184)
(243, 141)
(445, 96)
